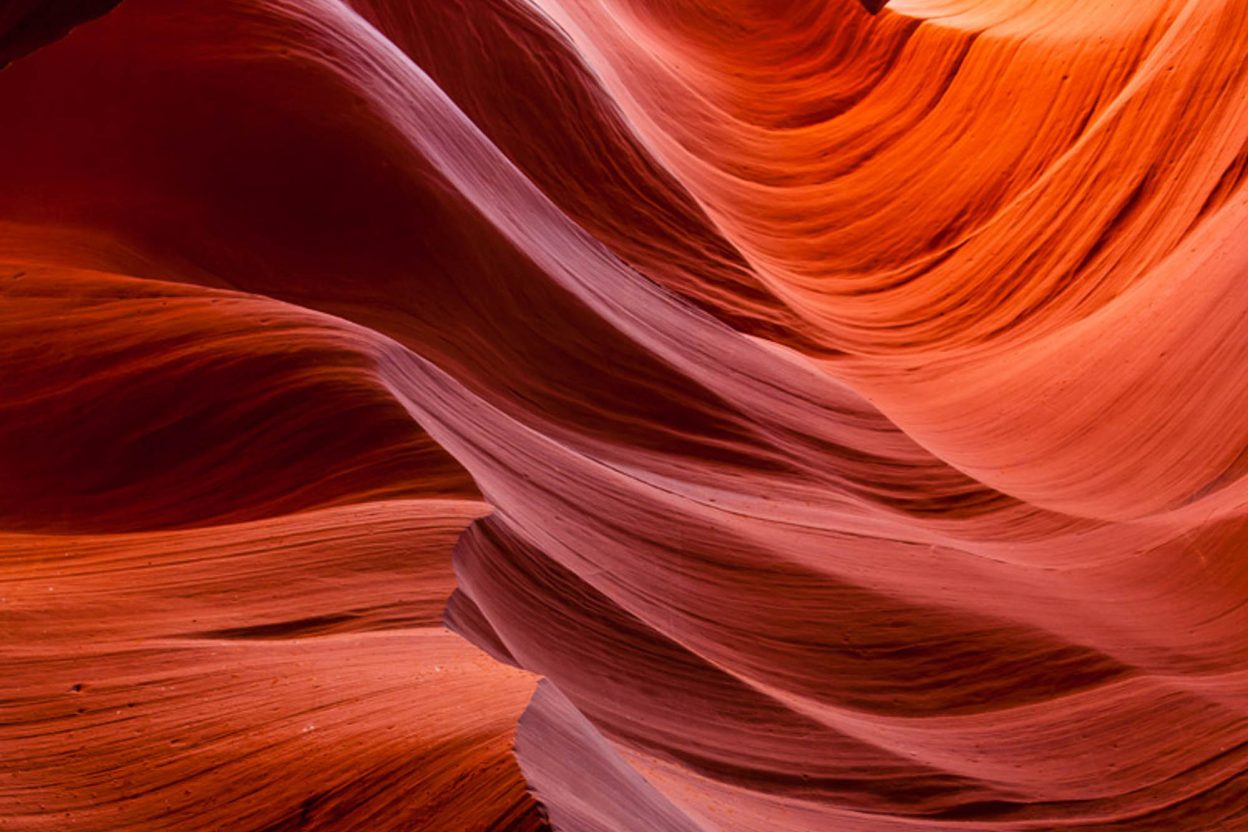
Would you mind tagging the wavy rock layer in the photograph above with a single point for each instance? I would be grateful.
(839, 406)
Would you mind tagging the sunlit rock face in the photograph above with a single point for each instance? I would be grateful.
(698, 415)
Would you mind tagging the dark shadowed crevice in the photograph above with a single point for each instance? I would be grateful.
(27, 25)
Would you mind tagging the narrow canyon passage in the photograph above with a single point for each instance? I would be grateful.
(611, 415)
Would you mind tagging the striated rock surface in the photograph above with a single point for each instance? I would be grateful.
(837, 405)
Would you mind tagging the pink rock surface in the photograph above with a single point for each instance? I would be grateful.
(840, 412)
